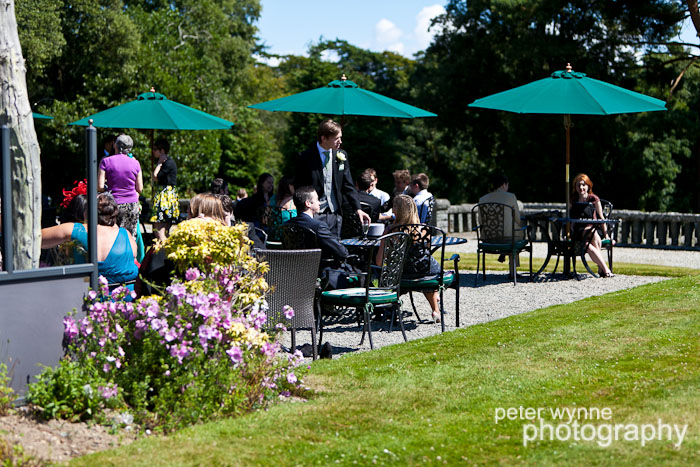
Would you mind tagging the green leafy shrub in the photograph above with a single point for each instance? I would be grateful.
(7, 395)
(195, 353)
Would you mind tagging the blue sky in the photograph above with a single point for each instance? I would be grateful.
(290, 26)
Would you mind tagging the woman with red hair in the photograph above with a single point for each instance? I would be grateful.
(583, 194)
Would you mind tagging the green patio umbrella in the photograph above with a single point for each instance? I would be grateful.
(38, 116)
(343, 97)
(154, 111)
(569, 92)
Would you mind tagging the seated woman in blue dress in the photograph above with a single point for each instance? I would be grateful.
(116, 247)
(283, 199)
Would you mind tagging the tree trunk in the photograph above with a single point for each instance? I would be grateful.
(24, 148)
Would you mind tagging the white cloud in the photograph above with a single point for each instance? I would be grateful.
(386, 32)
(397, 47)
(330, 56)
(423, 35)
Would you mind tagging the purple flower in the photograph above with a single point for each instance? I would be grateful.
(288, 312)
(171, 335)
(108, 391)
(180, 352)
(269, 349)
(92, 295)
(291, 378)
(192, 274)
(235, 354)
(177, 290)
(70, 329)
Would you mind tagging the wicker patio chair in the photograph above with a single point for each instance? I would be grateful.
(292, 277)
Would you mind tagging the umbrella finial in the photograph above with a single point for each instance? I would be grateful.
(568, 68)
(343, 77)
(153, 89)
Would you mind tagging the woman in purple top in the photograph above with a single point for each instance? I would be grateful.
(123, 176)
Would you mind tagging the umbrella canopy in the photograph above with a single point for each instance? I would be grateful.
(38, 116)
(343, 97)
(154, 111)
(569, 92)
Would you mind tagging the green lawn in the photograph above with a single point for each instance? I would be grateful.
(636, 352)
(467, 262)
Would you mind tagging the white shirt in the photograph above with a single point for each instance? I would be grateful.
(382, 195)
(421, 199)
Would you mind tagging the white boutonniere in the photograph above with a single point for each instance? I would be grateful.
(341, 160)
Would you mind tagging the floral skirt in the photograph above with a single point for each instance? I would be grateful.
(166, 205)
(128, 216)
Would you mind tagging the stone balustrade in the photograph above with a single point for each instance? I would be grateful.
(636, 228)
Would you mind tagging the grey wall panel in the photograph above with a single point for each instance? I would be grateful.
(31, 323)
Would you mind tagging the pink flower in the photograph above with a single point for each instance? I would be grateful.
(291, 378)
(288, 312)
(70, 329)
(92, 295)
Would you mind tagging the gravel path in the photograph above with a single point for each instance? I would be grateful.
(487, 301)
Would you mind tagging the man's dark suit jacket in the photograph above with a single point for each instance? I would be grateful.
(309, 172)
(374, 203)
(331, 248)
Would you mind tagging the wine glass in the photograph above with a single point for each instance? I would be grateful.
(365, 229)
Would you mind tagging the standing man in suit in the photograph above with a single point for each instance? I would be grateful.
(325, 167)
(307, 204)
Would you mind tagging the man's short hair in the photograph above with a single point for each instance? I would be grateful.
(328, 128)
(402, 175)
(497, 180)
(422, 181)
(370, 171)
(301, 196)
(219, 186)
(365, 181)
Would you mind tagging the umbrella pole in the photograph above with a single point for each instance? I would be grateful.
(567, 125)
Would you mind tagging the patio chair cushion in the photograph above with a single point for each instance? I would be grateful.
(430, 282)
(499, 247)
(356, 296)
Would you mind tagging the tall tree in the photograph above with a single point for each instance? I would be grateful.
(16, 113)
(486, 46)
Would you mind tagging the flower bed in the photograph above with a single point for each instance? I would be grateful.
(197, 352)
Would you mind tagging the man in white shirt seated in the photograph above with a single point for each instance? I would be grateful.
(373, 190)
(421, 196)
(500, 194)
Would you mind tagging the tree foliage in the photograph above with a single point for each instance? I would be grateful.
(92, 55)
